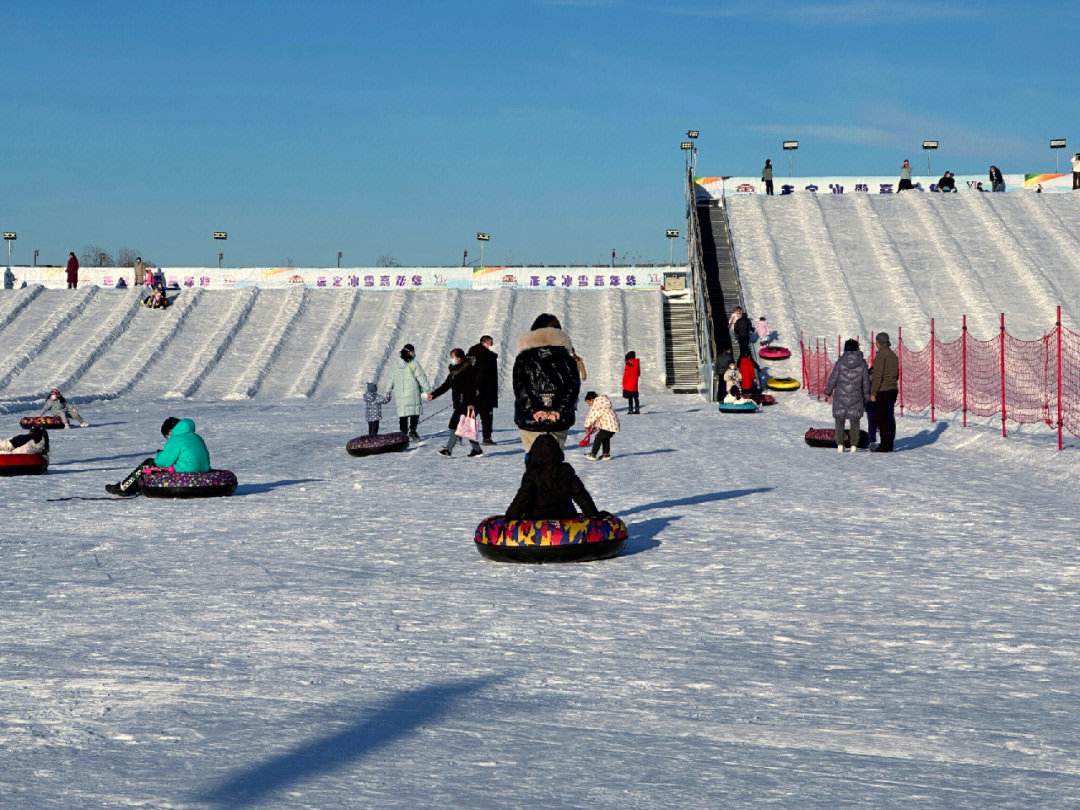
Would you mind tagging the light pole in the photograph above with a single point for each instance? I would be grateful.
(339, 254)
(688, 147)
(101, 259)
(791, 147)
(1056, 145)
(221, 236)
(672, 234)
(9, 237)
(693, 135)
(928, 147)
(36, 252)
(482, 237)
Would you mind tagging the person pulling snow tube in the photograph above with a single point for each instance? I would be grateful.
(373, 445)
(738, 407)
(156, 483)
(783, 384)
(23, 464)
(774, 353)
(576, 539)
(761, 399)
(48, 422)
(826, 437)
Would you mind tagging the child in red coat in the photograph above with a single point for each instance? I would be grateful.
(747, 373)
(630, 376)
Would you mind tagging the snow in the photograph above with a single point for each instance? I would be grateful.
(787, 626)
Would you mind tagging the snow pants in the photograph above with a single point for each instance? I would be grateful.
(886, 419)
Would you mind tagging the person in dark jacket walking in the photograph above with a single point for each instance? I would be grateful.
(743, 329)
(884, 387)
(546, 382)
(997, 180)
(550, 487)
(72, 271)
(766, 177)
(849, 387)
(461, 382)
(487, 384)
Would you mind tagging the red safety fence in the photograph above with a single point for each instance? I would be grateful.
(1025, 381)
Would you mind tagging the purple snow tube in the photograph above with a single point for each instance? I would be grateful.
(373, 445)
(165, 484)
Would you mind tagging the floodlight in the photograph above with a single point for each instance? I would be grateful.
(693, 134)
(928, 145)
(791, 146)
(686, 146)
(483, 237)
(672, 233)
(10, 235)
(1058, 143)
(220, 235)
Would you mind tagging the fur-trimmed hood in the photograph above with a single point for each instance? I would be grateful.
(548, 336)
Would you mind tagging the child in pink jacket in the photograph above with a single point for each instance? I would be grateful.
(603, 419)
(762, 329)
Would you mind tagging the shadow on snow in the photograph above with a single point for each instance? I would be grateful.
(921, 439)
(269, 486)
(693, 500)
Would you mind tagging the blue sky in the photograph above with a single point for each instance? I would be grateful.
(402, 128)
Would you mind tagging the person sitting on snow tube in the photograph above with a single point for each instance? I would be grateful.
(184, 451)
(550, 487)
(56, 405)
(34, 442)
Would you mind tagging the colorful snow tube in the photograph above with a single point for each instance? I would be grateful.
(774, 353)
(577, 539)
(373, 445)
(826, 437)
(166, 484)
(783, 384)
(23, 464)
(48, 422)
(761, 399)
(738, 407)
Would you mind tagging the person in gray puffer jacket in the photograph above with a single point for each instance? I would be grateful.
(373, 402)
(849, 387)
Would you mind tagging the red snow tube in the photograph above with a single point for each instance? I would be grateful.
(23, 464)
(826, 437)
(50, 422)
(576, 539)
(168, 484)
(760, 399)
(373, 445)
(774, 353)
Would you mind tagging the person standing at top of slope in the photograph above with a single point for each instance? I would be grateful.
(407, 383)
(72, 271)
(849, 387)
(884, 388)
(905, 177)
(997, 180)
(140, 272)
(743, 329)
(487, 384)
(1076, 171)
(546, 382)
(766, 177)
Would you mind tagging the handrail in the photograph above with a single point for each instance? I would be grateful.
(706, 339)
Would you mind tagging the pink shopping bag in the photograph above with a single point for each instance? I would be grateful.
(466, 428)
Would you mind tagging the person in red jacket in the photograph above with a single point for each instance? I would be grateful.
(747, 374)
(72, 271)
(630, 376)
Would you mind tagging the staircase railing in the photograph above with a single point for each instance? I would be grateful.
(703, 316)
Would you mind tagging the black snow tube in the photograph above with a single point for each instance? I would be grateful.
(47, 422)
(826, 437)
(165, 484)
(23, 464)
(576, 539)
(373, 445)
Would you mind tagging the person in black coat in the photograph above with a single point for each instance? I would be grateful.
(550, 487)
(546, 382)
(461, 382)
(743, 329)
(487, 383)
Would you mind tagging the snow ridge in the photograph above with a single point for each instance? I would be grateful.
(290, 310)
(812, 222)
(500, 321)
(308, 379)
(101, 341)
(20, 300)
(1066, 241)
(40, 337)
(390, 324)
(204, 361)
(769, 295)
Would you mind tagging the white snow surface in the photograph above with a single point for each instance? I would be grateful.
(787, 627)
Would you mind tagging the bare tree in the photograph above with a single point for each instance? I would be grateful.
(387, 261)
(125, 257)
(95, 256)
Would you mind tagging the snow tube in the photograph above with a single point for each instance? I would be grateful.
(23, 464)
(49, 422)
(826, 437)
(774, 353)
(738, 407)
(761, 399)
(165, 484)
(373, 445)
(783, 384)
(577, 539)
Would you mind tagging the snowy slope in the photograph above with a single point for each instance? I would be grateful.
(280, 344)
(779, 632)
(823, 265)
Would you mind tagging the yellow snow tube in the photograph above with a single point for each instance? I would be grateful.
(783, 384)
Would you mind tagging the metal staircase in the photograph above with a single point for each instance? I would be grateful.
(721, 271)
(680, 344)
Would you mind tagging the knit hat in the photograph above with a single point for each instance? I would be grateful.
(883, 339)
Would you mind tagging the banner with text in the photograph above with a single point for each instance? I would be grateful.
(718, 187)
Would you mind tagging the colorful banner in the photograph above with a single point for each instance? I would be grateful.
(1053, 181)
(364, 278)
(716, 188)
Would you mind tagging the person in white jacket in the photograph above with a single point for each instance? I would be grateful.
(1076, 171)
(34, 442)
(602, 419)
